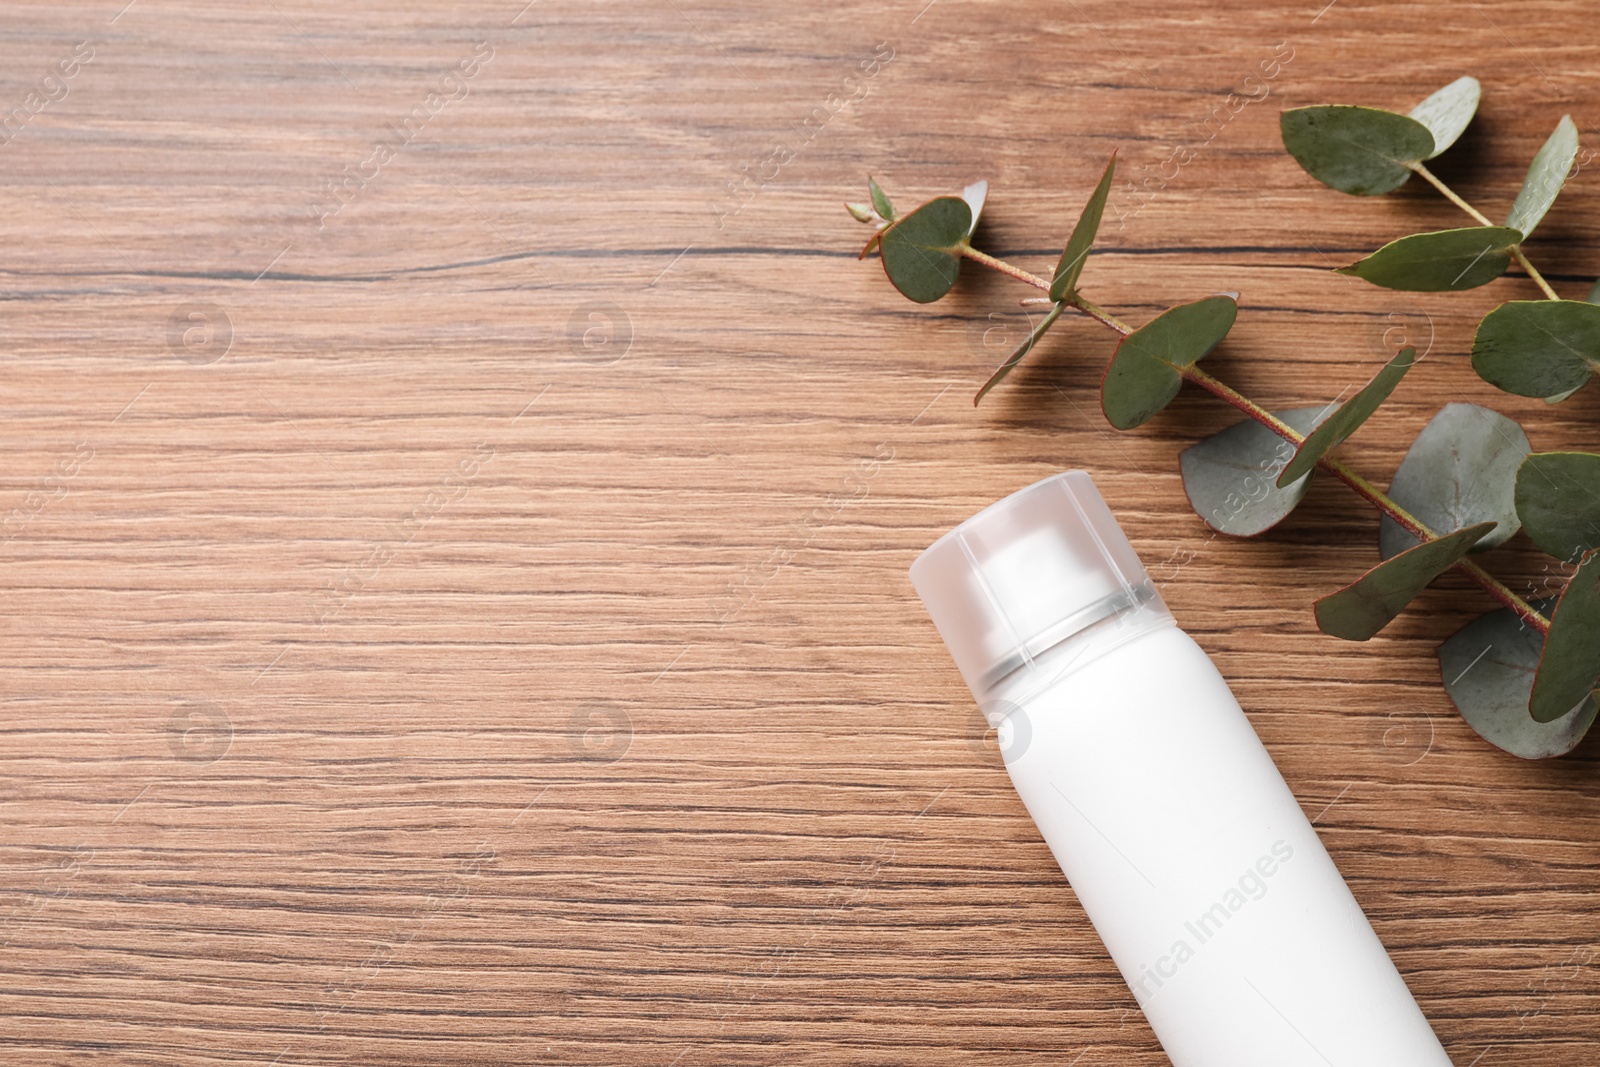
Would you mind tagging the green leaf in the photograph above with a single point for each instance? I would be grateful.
(1461, 470)
(1538, 347)
(1143, 375)
(1558, 500)
(1082, 239)
(880, 200)
(1447, 112)
(920, 251)
(1488, 668)
(1445, 260)
(1593, 298)
(1021, 350)
(1344, 422)
(1570, 664)
(1361, 609)
(860, 212)
(975, 194)
(1545, 177)
(1231, 477)
(1360, 150)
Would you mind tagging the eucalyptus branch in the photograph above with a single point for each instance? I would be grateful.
(1450, 194)
(1362, 487)
(1522, 259)
(1471, 471)
(1003, 267)
(1483, 220)
(1098, 313)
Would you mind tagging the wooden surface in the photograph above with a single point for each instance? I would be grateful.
(489, 641)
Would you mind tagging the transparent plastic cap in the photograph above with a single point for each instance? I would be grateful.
(1042, 567)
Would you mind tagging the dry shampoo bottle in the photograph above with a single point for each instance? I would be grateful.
(1201, 874)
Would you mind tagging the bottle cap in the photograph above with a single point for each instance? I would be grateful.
(1025, 575)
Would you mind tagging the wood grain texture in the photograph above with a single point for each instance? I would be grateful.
(472, 626)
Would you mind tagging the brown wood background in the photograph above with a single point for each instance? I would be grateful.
(478, 631)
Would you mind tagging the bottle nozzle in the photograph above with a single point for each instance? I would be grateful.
(1025, 575)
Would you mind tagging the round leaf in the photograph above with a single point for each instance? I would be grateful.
(1558, 500)
(1444, 260)
(1076, 252)
(1143, 375)
(1461, 470)
(1447, 112)
(1488, 668)
(1231, 477)
(1570, 664)
(1360, 150)
(1538, 347)
(1361, 609)
(1545, 177)
(1344, 422)
(920, 251)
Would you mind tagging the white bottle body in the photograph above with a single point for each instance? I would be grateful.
(1200, 871)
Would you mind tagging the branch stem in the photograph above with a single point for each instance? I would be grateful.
(1450, 194)
(1231, 396)
(1535, 275)
(1098, 313)
(1003, 267)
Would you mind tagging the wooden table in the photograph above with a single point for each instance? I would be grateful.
(457, 589)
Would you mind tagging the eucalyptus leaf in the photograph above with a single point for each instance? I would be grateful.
(1351, 414)
(1143, 375)
(1447, 112)
(880, 200)
(1231, 477)
(1461, 470)
(860, 212)
(1558, 500)
(1361, 609)
(1076, 252)
(1538, 347)
(1488, 667)
(1444, 260)
(1570, 664)
(1559, 397)
(1545, 177)
(1359, 150)
(920, 252)
(975, 194)
(1592, 298)
(1021, 350)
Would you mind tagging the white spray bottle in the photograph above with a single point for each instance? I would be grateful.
(1202, 875)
